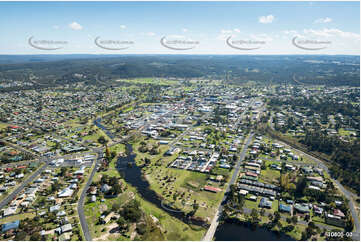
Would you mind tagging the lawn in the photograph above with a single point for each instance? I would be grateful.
(94, 210)
(188, 182)
(3, 125)
(21, 216)
(269, 175)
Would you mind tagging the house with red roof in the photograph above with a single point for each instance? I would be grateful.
(338, 212)
(212, 189)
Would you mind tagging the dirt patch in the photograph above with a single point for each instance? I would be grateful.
(109, 228)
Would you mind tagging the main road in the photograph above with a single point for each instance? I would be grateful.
(347, 193)
(212, 229)
(12, 195)
(83, 223)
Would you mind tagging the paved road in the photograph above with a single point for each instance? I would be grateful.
(81, 201)
(19, 163)
(18, 147)
(12, 195)
(347, 193)
(212, 229)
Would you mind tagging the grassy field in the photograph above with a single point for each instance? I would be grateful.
(94, 210)
(21, 216)
(3, 125)
(269, 175)
(186, 185)
(174, 228)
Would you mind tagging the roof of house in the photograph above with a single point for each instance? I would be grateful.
(212, 189)
(67, 192)
(338, 212)
(265, 202)
(66, 228)
(54, 208)
(11, 225)
(284, 207)
(300, 208)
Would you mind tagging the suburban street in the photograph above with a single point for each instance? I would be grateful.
(12, 195)
(212, 229)
(347, 193)
(83, 223)
(18, 148)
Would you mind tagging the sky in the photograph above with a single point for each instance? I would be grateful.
(180, 28)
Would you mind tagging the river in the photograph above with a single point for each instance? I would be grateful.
(229, 231)
(97, 122)
(133, 175)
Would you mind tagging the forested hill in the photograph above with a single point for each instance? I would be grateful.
(295, 69)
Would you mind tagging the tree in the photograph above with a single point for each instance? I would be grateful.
(141, 228)
(349, 224)
(55, 186)
(175, 195)
(122, 223)
(254, 216)
(132, 212)
(291, 188)
(263, 167)
(284, 181)
(115, 207)
(262, 212)
(277, 217)
(195, 206)
(102, 140)
(300, 187)
(113, 154)
(116, 189)
(147, 161)
(107, 152)
(304, 236)
(21, 235)
(35, 236)
(113, 180)
(63, 171)
(288, 220)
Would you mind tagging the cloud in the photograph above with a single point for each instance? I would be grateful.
(75, 26)
(123, 26)
(185, 30)
(261, 37)
(237, 30)
(323, 20)
(291, 32)
(176, 36)
(148, 33)
(266, 19)
(225, 33)
(326, 32)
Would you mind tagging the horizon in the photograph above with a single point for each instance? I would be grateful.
(187, 28)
